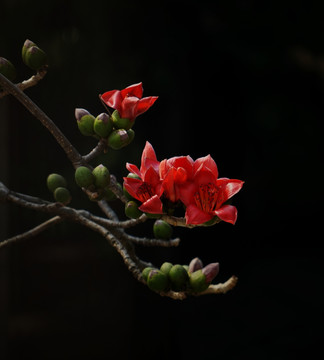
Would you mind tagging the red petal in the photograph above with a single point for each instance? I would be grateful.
(204, 176)
(169, 185)
(184, 162)
(144, 104)
(227, 213)
(152, 177)
(186, 193)
(132, 186)
(152, 205)
(133, 169)
(148, 159)
(228, 188)
(163, 168)
(133, 90)
(195, 216)
(128, 107)
(207, 162)
(113, 99)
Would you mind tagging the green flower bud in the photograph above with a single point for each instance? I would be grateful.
(101, 175)
(54, 181)
(103, 125)
(146, 271)
(186, 267)
(118, 139)
(62, 195)
(179, 277)
(84, 177)
(157, 280)
(162, 230)
(121, 123)
(33, 56)
(198, 281)
(195, 264)
(7, 69)
(85, 122)
(132, 211)
(131, 135)
(166, 267)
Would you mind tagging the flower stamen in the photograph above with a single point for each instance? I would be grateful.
(206, 197)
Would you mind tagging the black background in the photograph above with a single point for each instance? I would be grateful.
(240, 80)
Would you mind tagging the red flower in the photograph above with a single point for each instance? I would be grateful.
(205, 195)
(148, 187)
(128, 102)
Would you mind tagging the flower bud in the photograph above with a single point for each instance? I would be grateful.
(132, 211)
(166, 267)
(33, 56)
(146, 271)
(84, 177)
(121, 123)
(85, 122)
(162, 230)
(54, 181)
(118, 139)
(157, 280)
(7, 69)
(62, 195)
(27, 44)
(198, 281)
(103, 125)
(179, 277)
(195, 264)
(101, 175)
(210, 271)
(131, 135)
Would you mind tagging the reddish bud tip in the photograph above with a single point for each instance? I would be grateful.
(195, 264)
(210, 271)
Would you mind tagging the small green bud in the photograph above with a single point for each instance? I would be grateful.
(103, 125)
(27, 44)
(186, 267)
(121, 123)
(54, 181)
(179, 277)
(118, 139)
(157, 280)
(84, 177)
(132, 211)
(33, 56)
(166, 267)
(162, 230)
(198, 281)
(131, 135)
(7, 69)
(101, 175)
(62, 195)
(85, 122)
(145, 272)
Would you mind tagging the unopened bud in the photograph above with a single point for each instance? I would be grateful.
(166, 267)
(84, 177)
(7, 69)
(132, 211)
(162, 230)
(157, 280)
(146, 272)
(118, 139)
(103, 125)
(198, 281)
(27, 44)
(62, 195)
(102, 176)
(33, 56)
(121, 123)
(210, 271)
(179, 277)
(54, 181)
(195, 264)
(85, 122)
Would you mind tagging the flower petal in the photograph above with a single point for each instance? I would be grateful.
(133, 90)
(132, 186)
(227, 213)
(227, 189)
(113, 99)
(148, 159)
(133, 169)
(144, 104)
(207, 162)
(152, 205)
(128, 107)
(195, 216)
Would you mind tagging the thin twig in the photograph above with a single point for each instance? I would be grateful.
(102, 144)
(32, 232)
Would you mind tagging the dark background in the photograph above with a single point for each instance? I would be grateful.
(241, 80)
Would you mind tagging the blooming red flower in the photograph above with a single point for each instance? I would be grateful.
(147, 188)
(205, 195)
(128, 102)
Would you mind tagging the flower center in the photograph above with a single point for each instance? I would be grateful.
(144, 192)
(206, 197)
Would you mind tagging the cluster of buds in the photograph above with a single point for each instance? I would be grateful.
(192, 278)
(95, 182)
(7, 69)
(57, 184)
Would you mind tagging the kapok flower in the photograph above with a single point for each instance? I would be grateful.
(205, 195)
(175, 172)
(147, 188)
(128, 102)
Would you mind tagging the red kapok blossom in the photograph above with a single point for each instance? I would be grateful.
(205, 195)
(128, 102)
(148, 187)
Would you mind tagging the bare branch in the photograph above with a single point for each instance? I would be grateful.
(101, 146)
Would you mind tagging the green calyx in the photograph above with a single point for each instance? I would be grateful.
(62, 195)
(120, 138)
(33, 56)
(179, 278)
(86, 124)
(103, 125)
(7, 69)
(54, 181)
(84, 177)
(157, 280)
(198, 281)
(162, 230)
(101, 176)
(166, 267)
(132, 211)
(121, 123)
